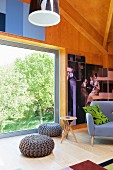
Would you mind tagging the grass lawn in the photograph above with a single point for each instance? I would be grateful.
(9, 126)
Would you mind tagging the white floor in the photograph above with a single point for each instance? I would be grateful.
(65, 154)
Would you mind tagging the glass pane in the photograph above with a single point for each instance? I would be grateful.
(26, 88)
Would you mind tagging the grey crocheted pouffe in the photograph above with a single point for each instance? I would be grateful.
(36, 146)
(50, 129)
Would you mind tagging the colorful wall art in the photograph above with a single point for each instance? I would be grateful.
(86, 83)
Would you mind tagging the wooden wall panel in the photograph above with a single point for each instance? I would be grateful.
(110, 61)
(66, 36)
(63, 83)
(53, 35)
(69, 35)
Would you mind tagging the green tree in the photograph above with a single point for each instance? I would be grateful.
(15, 99)
(38, 69)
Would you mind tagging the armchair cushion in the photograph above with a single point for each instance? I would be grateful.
(98, 116)
(104, 129)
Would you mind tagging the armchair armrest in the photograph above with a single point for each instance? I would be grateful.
(90, 124)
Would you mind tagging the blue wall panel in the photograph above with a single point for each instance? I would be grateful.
(16, 20)
(3, 6)
(14, 17)
(30, 30)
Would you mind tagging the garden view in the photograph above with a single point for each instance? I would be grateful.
(27, 92)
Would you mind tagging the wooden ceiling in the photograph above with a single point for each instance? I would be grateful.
(92, 18)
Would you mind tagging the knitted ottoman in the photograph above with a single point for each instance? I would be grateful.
(36, 146)
(50, 129)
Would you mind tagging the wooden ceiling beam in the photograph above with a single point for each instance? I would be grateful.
(68, 13)
(108, 23)
(67, 6)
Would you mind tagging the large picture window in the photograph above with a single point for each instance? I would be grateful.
(28, 80)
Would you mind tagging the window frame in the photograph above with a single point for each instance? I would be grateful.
(56, 83)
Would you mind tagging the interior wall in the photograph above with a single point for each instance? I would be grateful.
(110, 61)
(14, 20)
(65, 35)
(72, 42)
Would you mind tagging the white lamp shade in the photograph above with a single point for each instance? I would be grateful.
(44, 12)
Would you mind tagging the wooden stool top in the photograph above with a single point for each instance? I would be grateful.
(68, 118)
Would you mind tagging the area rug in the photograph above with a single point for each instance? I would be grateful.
(107, 164)
(86, 165)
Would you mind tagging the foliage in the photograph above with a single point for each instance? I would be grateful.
(15, 99)
(39, 72)
(27, 92)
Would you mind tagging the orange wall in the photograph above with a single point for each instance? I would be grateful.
(65, 35)
(110, 60)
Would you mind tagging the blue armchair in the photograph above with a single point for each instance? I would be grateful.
(104, 129)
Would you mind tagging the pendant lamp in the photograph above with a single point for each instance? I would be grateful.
(44, 12)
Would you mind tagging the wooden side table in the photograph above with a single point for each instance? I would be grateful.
(68, 126)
